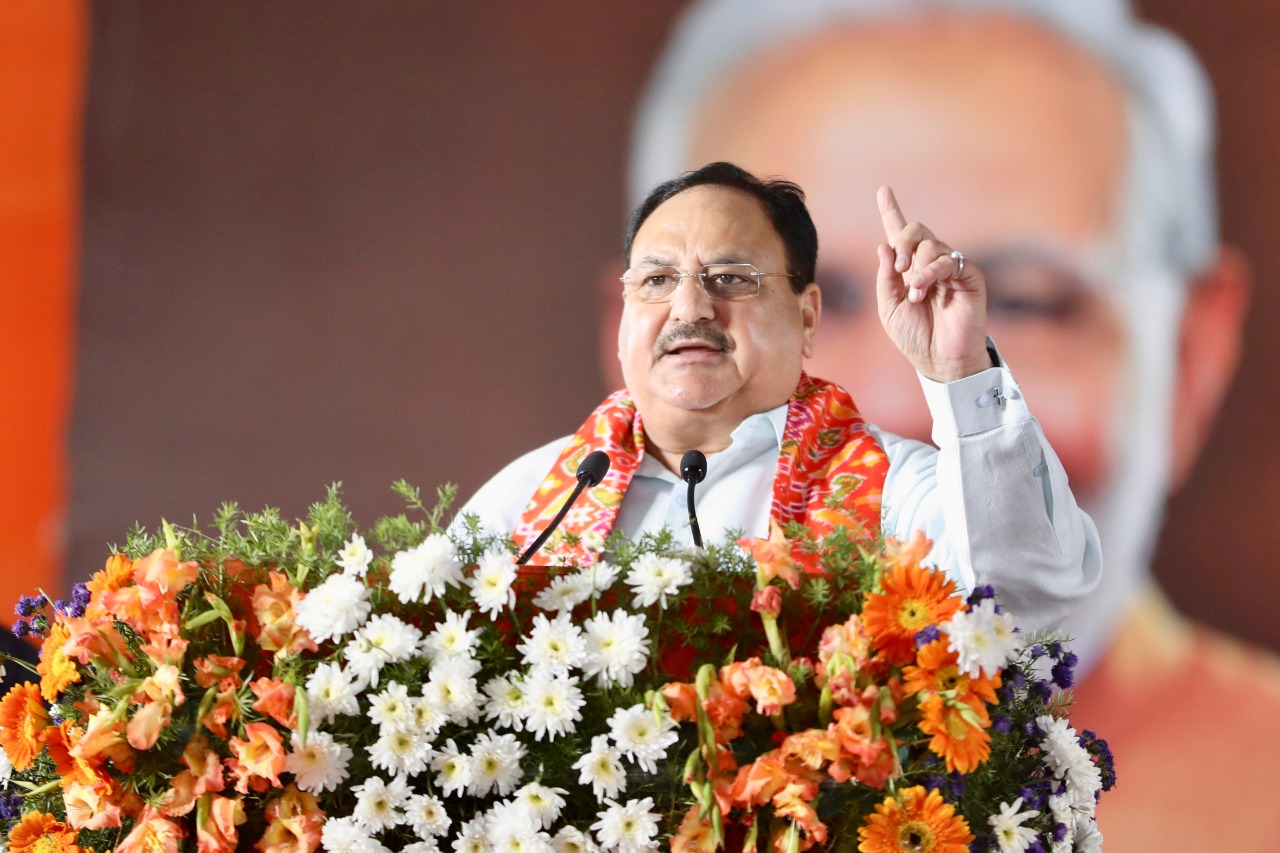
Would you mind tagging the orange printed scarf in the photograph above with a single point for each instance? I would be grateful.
(830, 472)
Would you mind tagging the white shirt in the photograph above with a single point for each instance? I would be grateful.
(992, 496)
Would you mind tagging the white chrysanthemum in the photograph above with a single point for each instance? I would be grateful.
(6, 767)
(450, 638)
(491, 583)
(382, 640)
(600, 576)
(544, 804)
(554, 644)
(641, 736)
(1071, 762)
(982, 639)
(602, 769)
(1087, 838)
(617, 647)
(473, 837)
(331, 691)
(511, 828)
(403, 752)
(427, 568)
(573, 840)
(505, 701)
(653, 578)
(427, 816)
(452, 769)
(428, 846)
(355, 556)
(552, 704)
(378, 803)
(335, 608)
(428, 718)
(1060, 807)
(628, 827)
(593, 540)
(391, 708)
(495, 764)
(344, 835)
(451, 687)
(319, 766)
(563, 593)
(1007, 827)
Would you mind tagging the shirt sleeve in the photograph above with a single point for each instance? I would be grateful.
(499, 503)
(994, 499)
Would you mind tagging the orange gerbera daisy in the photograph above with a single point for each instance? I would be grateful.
(23, 719)
(42, 833)
(957, 740)
(913, 599)
(915, 821)
(56, 669)
(937, 669)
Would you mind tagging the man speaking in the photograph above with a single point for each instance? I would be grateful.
(720, 313)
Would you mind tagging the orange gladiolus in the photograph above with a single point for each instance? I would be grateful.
(259, 759)
(294, 821)
(153, 833)
(103, 739)
(222, 670)
(773, 557)
(90, 807)
(960, 743)
(23, 720)
(682, 700)
(42, 833)
(56, 670)
(275, 699)
(813, 748)
(216, 822)
(913, 599)
(695, 834)
(915, 820)
(770, 688)
(161, 571)
(275, 607)
(795, 806)
(758, 782)
(94, 639)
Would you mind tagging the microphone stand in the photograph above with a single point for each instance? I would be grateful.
(590, 472)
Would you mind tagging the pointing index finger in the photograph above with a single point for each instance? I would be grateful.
(890, 214)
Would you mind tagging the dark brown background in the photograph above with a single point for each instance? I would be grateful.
(360, 241)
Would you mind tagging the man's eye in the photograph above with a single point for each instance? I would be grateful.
(726, 279)
(656, 281)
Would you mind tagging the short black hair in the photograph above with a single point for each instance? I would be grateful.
(783, 202)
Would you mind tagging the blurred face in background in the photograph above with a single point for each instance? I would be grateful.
(1010, 144)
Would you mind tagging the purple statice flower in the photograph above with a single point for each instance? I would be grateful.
(980, 594)
(1036, 652)
(1014, 678)
(1054, 649)
(21, 628)
(80, 593)
(933, 781)
(1059, 831)
(927, 636)
(10, 807)
(955, 783)
(1031, 730)
(1035, 847)
(1040, 690)
(28, 604)
(1002, 724)
(1101, 752)
(1062, 675)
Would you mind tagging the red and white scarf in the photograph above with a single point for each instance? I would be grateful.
(830, 473)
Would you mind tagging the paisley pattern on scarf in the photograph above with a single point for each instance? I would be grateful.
(830, 472)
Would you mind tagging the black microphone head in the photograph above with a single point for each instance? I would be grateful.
(693, 466)
(593, 468)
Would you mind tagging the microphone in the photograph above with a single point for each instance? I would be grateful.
(590, 472)
(693, 469)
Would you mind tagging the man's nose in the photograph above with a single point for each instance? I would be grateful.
(690, 303)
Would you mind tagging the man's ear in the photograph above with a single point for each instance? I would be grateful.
(810, 314)
(609, 299)
(1208, 352)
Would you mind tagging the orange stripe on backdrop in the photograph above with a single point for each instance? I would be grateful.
(43, 59)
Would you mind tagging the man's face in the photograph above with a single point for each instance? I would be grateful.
(694, 356)
(1009, 144)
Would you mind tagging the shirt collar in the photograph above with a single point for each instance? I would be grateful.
(761, 428)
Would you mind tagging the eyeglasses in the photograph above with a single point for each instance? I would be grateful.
(719, 281)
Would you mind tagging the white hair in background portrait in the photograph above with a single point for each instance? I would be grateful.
(1170, 215)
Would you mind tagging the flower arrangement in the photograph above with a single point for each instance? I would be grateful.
(285, 688)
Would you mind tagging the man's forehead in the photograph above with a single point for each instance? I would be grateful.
(724, 222)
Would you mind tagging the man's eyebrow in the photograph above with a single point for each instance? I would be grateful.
(657, 261)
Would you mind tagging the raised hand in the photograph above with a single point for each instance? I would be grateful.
(933, 303)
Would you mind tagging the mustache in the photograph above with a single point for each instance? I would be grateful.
(681, 332)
